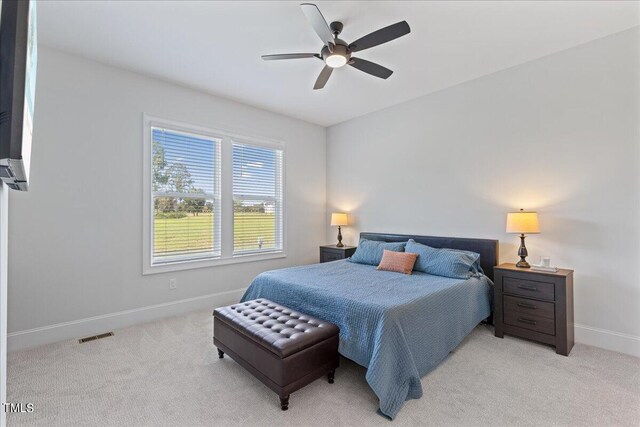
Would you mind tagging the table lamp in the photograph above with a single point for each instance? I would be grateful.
(339, 219)
(523, 223)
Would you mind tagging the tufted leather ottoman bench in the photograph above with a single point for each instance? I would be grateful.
(284, 349)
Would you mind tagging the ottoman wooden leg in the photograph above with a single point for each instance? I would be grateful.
(331, 375)
(220, 354)
(284, 402)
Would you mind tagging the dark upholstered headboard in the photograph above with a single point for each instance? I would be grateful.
(487, 248)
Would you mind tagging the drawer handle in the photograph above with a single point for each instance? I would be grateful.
(523, 305)
(528, 321)
(527, 288)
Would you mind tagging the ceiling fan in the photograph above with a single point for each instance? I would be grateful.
(336, 52)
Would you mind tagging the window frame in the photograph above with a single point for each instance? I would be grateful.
(227, 139)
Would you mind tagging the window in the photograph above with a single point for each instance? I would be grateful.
(211, 197)
(257, 199)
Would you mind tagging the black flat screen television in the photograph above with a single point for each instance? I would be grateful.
(18, 63)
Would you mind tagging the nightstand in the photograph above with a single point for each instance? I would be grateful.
(333, 253)
(534, 305)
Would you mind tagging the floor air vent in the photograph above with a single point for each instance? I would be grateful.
(95, 337)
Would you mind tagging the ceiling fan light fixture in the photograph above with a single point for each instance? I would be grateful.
(336, 60)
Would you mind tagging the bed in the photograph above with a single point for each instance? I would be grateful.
(398, 326)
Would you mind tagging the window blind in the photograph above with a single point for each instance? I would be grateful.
(257, 199)
(186, 196)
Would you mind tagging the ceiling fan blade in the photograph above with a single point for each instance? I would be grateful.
(370, 68)
(383, 35)
(318, 22)
(290, 56)
(323, 77)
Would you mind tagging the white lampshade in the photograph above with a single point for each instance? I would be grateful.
(523, 222)
(338, 218)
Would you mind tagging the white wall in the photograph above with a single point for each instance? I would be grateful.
(4, 228)
(76, 236)
(4, 224)
(559, 135)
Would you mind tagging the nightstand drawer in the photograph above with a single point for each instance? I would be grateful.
(530, 321)
(327, 256)
(528, 307)
(334, 253)
(528, 288)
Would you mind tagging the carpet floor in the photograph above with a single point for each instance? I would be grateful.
(167, 373)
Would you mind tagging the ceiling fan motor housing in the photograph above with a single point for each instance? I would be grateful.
(340, 48)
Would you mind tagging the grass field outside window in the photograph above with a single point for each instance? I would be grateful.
(192, 233)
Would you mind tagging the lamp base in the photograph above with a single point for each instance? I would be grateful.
(339, 245)
(522, 253)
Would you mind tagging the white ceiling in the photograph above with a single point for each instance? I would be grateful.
(216, 46)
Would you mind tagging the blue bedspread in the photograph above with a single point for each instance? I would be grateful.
(397, 326)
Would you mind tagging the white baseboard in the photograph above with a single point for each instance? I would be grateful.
(107, 322)
(603, 338)
(610, 340)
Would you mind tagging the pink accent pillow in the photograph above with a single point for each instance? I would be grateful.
(400, 262)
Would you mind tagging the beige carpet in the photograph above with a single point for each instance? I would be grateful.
(167, 373)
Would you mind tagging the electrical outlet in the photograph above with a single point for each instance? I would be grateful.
(173, 284)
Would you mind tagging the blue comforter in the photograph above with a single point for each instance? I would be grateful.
(397, 326)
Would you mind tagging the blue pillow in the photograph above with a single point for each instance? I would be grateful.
(444, 262)
(370, 251)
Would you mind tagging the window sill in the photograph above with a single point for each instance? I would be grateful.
(192, 264)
